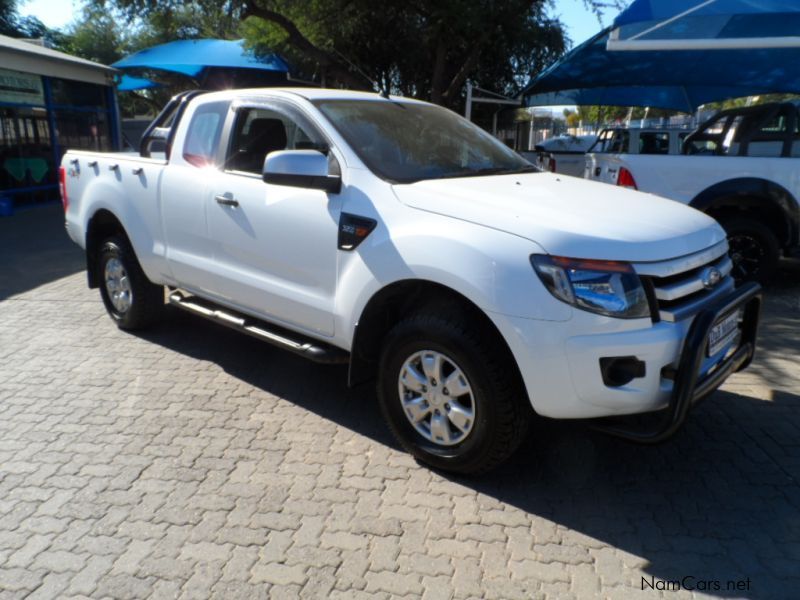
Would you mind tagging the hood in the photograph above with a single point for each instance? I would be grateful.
(568, 216)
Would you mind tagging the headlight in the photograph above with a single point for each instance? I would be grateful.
(605, 287)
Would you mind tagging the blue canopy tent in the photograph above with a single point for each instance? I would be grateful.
(706, 25)
(761, 58)
(128, 83)
(212, 64)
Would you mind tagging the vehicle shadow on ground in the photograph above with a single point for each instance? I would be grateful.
(35, 249)
(706, 504)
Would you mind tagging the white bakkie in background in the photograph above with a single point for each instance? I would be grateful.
(563, 154)
(742, 167)
(397, 237)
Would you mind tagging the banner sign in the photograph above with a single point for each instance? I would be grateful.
(21, 88)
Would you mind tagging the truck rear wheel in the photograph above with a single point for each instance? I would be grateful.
(449, 398)
(754, 249)
(129, 297)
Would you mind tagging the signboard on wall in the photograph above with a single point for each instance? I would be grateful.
(21, 88)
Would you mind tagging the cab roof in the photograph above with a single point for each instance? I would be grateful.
(307, 93)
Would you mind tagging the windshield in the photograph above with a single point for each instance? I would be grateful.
(405, 142)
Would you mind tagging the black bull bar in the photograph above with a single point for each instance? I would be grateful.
(689, 388)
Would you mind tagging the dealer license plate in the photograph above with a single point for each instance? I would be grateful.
(724, 332)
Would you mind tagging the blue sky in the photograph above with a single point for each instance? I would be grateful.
(581, 24)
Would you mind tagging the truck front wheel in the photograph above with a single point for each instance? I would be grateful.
(754, 249)
(448, 395)
(129, 297)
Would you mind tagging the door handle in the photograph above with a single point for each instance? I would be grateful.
(226, 200)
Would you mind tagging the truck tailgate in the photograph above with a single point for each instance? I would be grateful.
(602, 167)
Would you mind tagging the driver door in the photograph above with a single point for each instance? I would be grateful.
(274, 246)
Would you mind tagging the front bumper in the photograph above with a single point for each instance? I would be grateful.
(689, 386)
(560, 362)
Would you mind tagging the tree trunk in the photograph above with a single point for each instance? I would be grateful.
(437, 79)
(328, 62)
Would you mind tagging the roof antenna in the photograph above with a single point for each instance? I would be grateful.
(383, 92)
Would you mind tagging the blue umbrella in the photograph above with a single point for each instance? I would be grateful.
(193, 57)
(678, 79)
(128, 83)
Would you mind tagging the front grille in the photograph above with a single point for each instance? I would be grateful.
(677, 286)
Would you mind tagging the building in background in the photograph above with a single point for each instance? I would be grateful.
(49, 101)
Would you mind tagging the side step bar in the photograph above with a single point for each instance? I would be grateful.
(277, 336)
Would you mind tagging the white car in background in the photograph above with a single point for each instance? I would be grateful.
(635, 140)
(741, 167)
(564, 154)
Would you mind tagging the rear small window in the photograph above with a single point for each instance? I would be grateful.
(653, 142)
(613, 141)
(202, 137)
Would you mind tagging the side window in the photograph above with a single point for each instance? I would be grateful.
(652, 142)
(202, 137)
(620, 142)
(776, 125)
(601, 145)
(733, 138)
(259, 131)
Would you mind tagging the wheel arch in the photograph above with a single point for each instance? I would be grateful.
(760, 199)
(401, 298)
(102, 225)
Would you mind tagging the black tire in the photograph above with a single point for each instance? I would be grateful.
(146, 300)
(501, 409)
(754, 249)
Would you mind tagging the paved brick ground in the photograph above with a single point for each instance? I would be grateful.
(192, 462)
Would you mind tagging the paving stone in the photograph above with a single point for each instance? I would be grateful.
(85, 581)
(278, 574)
(238, 567)
(123, 586)
(25, 555)
(129, 561)
(52, 586)
(59, 561)
(17, 579)
(396, 584)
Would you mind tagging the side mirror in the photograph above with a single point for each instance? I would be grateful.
(300, 168)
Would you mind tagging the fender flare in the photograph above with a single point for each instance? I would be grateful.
(753, 192)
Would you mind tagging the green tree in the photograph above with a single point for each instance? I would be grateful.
(751, 101)
(420, 49)
(13, 25)
(413, 47)
(96, 36)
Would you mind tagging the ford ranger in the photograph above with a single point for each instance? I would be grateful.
(396, 237)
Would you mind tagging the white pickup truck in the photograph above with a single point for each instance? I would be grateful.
(396, 237)
(742, 167)
(564, 154)
(638, 140)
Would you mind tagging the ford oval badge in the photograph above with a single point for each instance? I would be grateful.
(710, 277)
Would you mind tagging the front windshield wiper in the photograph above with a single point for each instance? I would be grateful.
(491, 171)
(504, 171)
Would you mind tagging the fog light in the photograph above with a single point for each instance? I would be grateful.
(621, 370)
